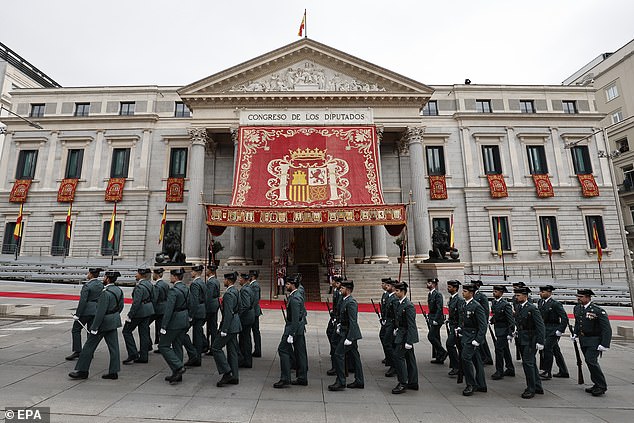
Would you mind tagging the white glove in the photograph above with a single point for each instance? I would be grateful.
(223, 334)
(408, 346)
(189, 319)
(338, 328)
(602, 348)
(475, 343)
(163, 331)
(93, 332)
(382, 322)
(509, 338)
(558, 333)
(539, 346)
(434, 323)
(289, 339)
(75, 317)
(394, 332)
(573, 337)
(347, 342)
(127, 319)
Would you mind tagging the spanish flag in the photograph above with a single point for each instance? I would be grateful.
(451, 239)
(597, 243)
(163, 220)
(17, 232)
(500, 252)
(549, 245)
(68, 222)
(302, 26)
(112, 222)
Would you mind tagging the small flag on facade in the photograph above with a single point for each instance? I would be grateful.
(112, 222)
(499, 238)
(549, 245)
(68, 221)
(17, 232)
(163, 220)
(302, 26)
(451, 239)
(597, 243)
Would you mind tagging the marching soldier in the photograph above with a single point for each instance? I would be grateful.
(104, 326)
(139, 316)
(455, 304)
(592, 328)
(504, 326)
(487, 358)
(349, 333)
(247, 318)
(556, 322)
(257, 337)
(229, 328)
(405, 336)
(175, 323)
(472, 329)
(159, 299)
(331, 333)
(436, 320)
(293, 342)
(212, 304)
(86, 308)
(530, 339)
(388, 313)
(197, 312)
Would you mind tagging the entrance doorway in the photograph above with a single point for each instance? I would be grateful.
(307, 245)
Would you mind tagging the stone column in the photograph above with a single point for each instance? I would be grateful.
(195, 217)
(50, 178)
(418, 211)
(336, 242)
(236, 234)
(379, 252)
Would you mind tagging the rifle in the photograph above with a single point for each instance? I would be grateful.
(426, 316)
(375, 310)
(578, 355)
(495, 340)
(283, 314)
(460, 366)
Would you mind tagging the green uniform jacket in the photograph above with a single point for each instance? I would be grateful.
(212, 303)
(176, 314)
(554, 316)
(109, 308)
(348, 310)
(389, 311)
(295, 315)
(230, 317)
(483, 301)
(435, 303)
(159, 296)
(502, 318)
(336, 300)
(258, 294)
(405, 323)
(197, 298)
(246, 308)
(592, 326)
(473, 321)
(454, 306)
(530, 326)
(88, 297)
(141, 300)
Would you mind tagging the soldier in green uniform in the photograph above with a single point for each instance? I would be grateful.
(530, 339)
(159, 299)
(504, 326)
(139, 316)
(405, 336)
(293, 342)
(388, 312)
(229, 328)
(247, 318)
(349, 333)
(556, 322)
(487, 358)
(86, 308)
(331, 333)
(212, 304)
(592, 328)
(198, 314)
(104, 326)
(436, 320)
(174, 324)
(472, 330)
(455, 304)
(257, 337)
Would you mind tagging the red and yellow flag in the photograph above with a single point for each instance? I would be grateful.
(163, 220)
(500, 252)
(302, 26)
(112, 222)
(548, 243)
(597, 243)
(68, 221)
(451, 240)
(17, 232)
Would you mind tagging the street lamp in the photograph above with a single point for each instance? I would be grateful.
(29, 122)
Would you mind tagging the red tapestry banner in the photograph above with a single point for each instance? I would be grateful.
(20, 190)
(497, 186)
(307, 167)
(266, 217)
(543, 186)
(175, 190)
(437, 187)
(114, 191)
(66, 191)
(589, 186)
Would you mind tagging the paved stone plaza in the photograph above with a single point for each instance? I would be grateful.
(33, 372)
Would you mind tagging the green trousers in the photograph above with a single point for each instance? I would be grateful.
(87, 353)
(171, 348)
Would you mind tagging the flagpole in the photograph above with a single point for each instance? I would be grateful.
(305, 25)
(68, 229)
(114, 224)
(600, 273)
(552, 269)
(19, 243)
(503, 265)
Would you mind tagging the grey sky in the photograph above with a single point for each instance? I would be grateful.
(133, 42)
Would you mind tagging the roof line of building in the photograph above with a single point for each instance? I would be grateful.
(27, 68)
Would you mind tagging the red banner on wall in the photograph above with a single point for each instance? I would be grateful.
(543, 186)
(114, 191)
(66, 192)
(175, 190)
(20, 190)
(497, 186)
(589, 186)
(437, 187)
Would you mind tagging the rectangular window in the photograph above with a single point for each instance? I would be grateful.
(491, 160)
(506, 234)
(178, 162)
(611, 92)
(581, 160)
(37, 110)
(431, 108)
(181, 110)
(551, 223)
(107, 246)
(9, 243)
(82, 109)
(441, 223)
(569, 106)
(73, 163)
(617, 117)
(127, 108)
(598, 222)
(58, 246)
(27, 159)
(628, 177)
(175, 229)
(435, 160)
(537, 164)
(527, 106)
(483, 106)
(623, 145)
(120, 163)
